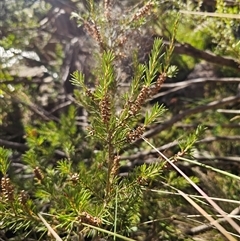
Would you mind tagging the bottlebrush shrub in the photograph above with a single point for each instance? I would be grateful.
(71, 176)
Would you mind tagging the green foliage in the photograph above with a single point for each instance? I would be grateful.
(76, 192)
(50, 136)
(4, 164)
(187, 143)
(71, 174)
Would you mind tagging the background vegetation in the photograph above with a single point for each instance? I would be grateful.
(119, 120)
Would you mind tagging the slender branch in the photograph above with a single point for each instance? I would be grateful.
(174, 87)
(183, 125)
(188, 82)
(219, 158)
(143, 154)
(206, 227)
(216, 138)
(229, 111)
(33, 107)
(19, 81)
(61, 106)
(202, 80)
(215, 15)
(209, 106)
(206, 55)
(41, 112)
(167, 124)
(14, 145)
(22, 147)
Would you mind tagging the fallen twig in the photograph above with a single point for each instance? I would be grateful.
(206, 55)
(22, 147)
(205, 227)
(212, 105)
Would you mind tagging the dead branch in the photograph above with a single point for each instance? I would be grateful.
(215, 138)
(23, 148)
(13, 145)
(206, 55)
(226, 159)
(202, 108)
(205, 227)
(45, 115)
(183, 125)
(201, 80)
(169, 123)
(143, 154)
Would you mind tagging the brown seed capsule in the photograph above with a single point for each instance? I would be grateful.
(158, 84)
(115, 166)
(23, 197)
(135, 134)
(105, 109)
(38, 173)
(143, 11)
(87, 218)
(74, 178)
(7, 189)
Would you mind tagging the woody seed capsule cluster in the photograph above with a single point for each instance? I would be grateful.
(38, 173)
(143, 11)
(105, 109)
(161, 78)
(122, 39)
(135, 134)
(92, 29)
(74, 178)
(23, 197)
(107, 5)
(142, 181)
(89, 219)
(143, 95)
(90, 94)
(7, 189)
(115, 166)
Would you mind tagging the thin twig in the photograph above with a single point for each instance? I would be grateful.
(228, 111)
(147, 153)
(183, 125)
(206, 55)
(217, 138)
(189, 82)
(205, 227)
(22, 147)
(18, 80)
(201, 80)
(142, 154)
(50, 229)
(214, 205)
(212, 105)
(34, 108)
(226, 159)
(174, 87)
(60, 106)
(210, 14)
(14, 145)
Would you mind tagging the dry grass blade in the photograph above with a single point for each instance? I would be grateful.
(205, 227)
(214, 205)
(209, 218)
(216, 15)
(50, 229)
